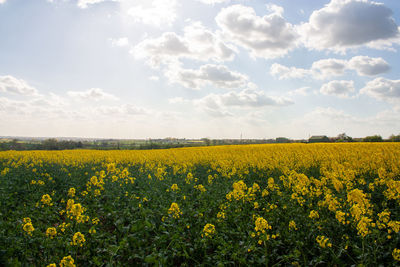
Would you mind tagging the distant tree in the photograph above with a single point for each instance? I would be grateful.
(394, 138)
(343, 137)
(282, 140)
(50, 144)
(373, 138)
(206, 141)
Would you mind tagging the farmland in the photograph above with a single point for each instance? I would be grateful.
(281, 204)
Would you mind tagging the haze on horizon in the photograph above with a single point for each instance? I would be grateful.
(199, 68)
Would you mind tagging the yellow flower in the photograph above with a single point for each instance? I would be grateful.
(52, 265)
(28, 227)
(323, 241)
(292, 225)
(174, 210)
(46, 200)
(396, 254)
(71, 192)
(221, 215)
(27, 220)
(262, 225)
(174, 187)
(78, 239)
(200, 187)
(92, 231)
(313, 214)
(208, 230)
(67, 262)
(51, 232)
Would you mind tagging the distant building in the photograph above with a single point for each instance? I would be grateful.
(318, 139)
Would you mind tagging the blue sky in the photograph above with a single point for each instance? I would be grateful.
(199, 68)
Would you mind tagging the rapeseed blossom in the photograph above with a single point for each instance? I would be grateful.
(67, 262)
(51, 232)
(46, 200)
(174, 210)
(208, 230)
(78, 239)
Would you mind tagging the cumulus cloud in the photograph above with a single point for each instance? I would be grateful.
(304, 91)
(331, 67)
(216, 75)
(344, 24)
(87, 3)
(383, 89)
(338, 88)
(159, 12)
(269, 36)
(212, 2)
(326, 68)
(95, 94)
(122, 110)
(367, 66)
(197, 43)
(284, 72)
(10, 84)
(217, 104)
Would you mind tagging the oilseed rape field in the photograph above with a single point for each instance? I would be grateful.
(271, 205)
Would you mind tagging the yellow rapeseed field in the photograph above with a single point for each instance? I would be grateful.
(278, 205)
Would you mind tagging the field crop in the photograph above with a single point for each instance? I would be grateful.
(274, 205)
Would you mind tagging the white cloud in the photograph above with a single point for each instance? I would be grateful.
(95, 94)
(337, 88)
(157, 12)
(383, 89)
(87, 3)
(284, 72)
(197, 43)
(368, 66)
(2, 1)
(217, 104)
(331, 67)
(178, 100)
(344, 24)
(10, 84)
(217, 75)
(326, 68)
(212, 2)
(304, 91)
(120, 42)
(122, 110)
(269, 36)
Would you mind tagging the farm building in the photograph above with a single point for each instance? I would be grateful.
(318, 139)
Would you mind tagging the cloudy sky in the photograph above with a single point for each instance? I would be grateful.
(199, 68)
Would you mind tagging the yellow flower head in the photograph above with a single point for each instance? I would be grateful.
(208, 230)
(78, 239)
(396, 254)
(323, 241)
(46, 199)
(174, 210)
(261, 225)
(51, 232)
(71, 192)
(292, 225)
(313, 214)
(67, 262)
(28, 227)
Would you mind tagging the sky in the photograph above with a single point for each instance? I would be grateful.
(199, 68)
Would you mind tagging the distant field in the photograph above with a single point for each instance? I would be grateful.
(275, 205)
